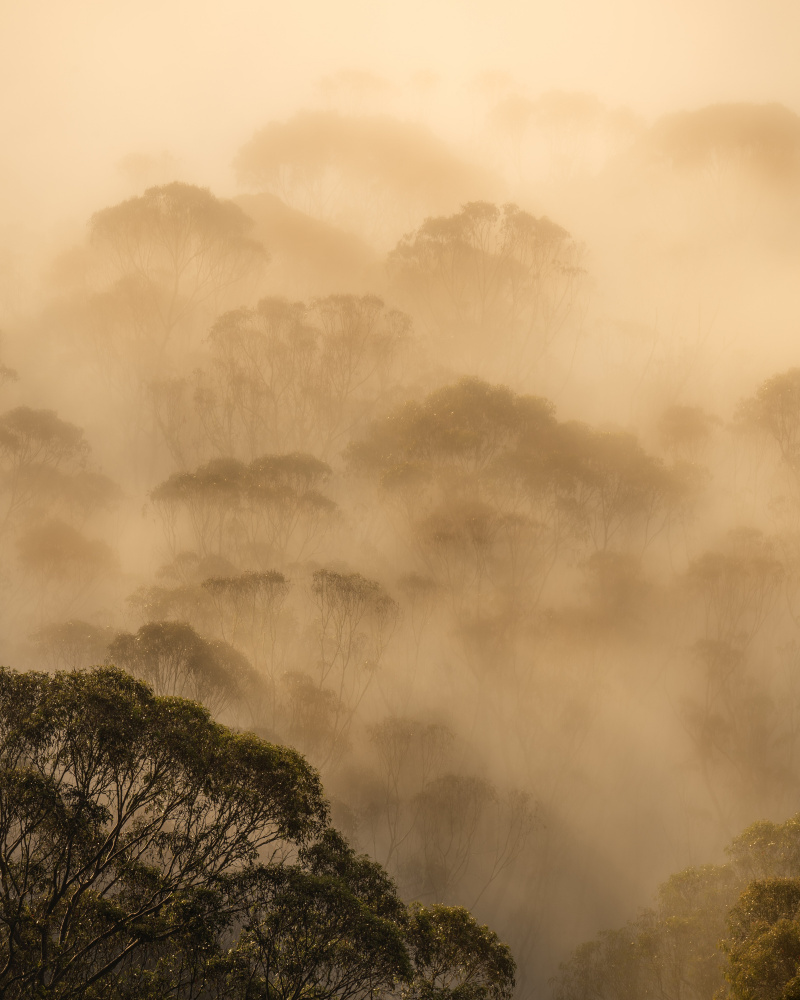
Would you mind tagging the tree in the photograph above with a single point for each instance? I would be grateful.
(34, 445)
(457, 467)
(176, 661)
(148, 852)
(372, 172)
(725, 167)
(263, 513)
(763, 943)
(455, 958)
(289, 375)
(210, 499)
(490, 283)
(250, 615)
(449, 439)
(63, 565)
(331, 926)
(775, 410)
(451, 810)
(738, 584)
(610, 966)
(741, 727)
(612, 489)
(249, 609)
(354, 622)
(408, 754)
(561, 135)
(72, 645)
(286, 511)
(684, 432)
(183, 602)
(763, 139)
(492, 488)
(259, 385)
(168, 251)
(127, 822)
(309, 256)
(7, 375)
(736, 921)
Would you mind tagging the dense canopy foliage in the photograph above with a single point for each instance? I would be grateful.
(147, 851)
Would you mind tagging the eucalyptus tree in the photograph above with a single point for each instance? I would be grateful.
(715, 930)
(354, 620)
(774, 410)
(73, 644)
(373, 173)
(36, 448)
(286, 375)
(163, 254)
(62, 564)
(490, 490)
(737, 711)
(255, 515)
(128, 826)
(175, 661)
(493, 286)
(148, 851)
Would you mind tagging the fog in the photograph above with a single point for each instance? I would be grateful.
(417, 385)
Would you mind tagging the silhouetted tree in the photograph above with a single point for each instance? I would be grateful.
(257, 514)
(494, 286)
(169, 250)
(375, 173)
(176, 661)
(763, 942)
(775, 410)
(128, 826)
(456, 957)
(288, 375)
(35, 445)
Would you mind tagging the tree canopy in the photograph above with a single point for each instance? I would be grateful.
(371, 168)
(764, 138)
(147, 851)
(730, 930)
(127, 823)
(488, 281)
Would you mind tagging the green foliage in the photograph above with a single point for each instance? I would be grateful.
(735, 922)
(148, 852)
(763, 944)
(125, 822)
(332, 925)
(455, 958)
(768, 850)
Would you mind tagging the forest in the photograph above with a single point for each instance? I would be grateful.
(400, 573)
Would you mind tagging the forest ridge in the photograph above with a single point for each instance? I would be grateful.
(448, 475)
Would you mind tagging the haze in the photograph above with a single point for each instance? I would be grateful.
(417, 385)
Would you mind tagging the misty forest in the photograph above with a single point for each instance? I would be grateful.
(400, 576)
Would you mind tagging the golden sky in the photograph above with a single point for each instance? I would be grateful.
(85, 81)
